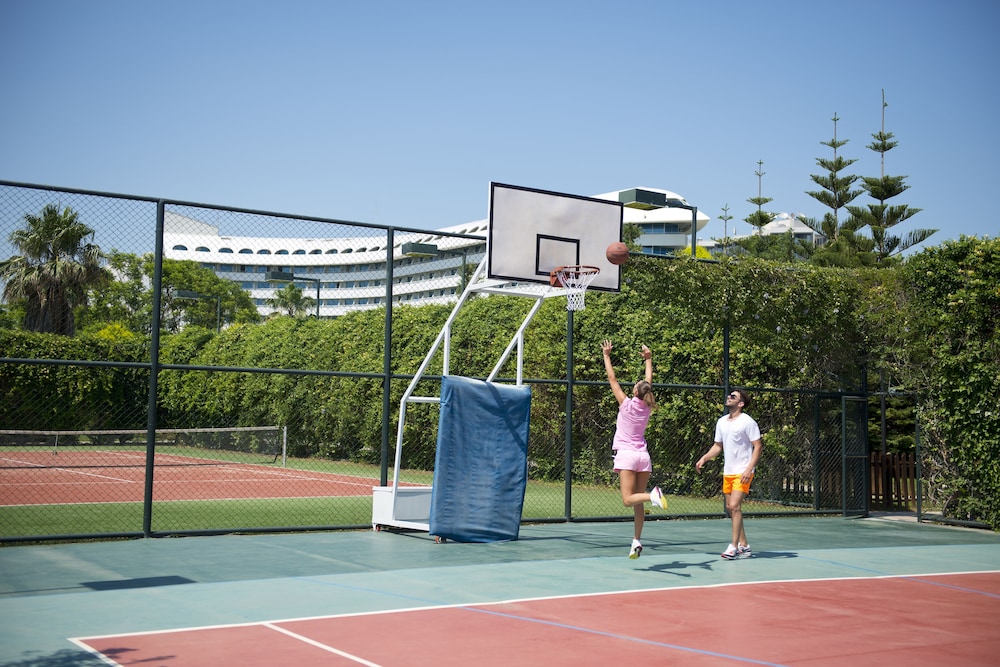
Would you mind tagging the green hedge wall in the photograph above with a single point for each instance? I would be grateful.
(924, 330)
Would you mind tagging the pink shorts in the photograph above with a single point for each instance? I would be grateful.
(636, 460)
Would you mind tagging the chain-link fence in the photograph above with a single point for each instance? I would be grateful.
(182, 398)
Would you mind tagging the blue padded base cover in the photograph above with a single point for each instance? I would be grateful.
(481, 463)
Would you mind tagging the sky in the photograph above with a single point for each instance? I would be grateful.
(402, 113)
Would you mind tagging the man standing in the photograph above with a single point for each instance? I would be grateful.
(737, 437)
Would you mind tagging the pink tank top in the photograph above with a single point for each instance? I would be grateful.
(633, 415)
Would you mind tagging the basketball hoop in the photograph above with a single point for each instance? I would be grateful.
(575, 279)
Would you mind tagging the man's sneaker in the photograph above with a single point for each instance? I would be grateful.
(743, 551)
(636, 550)
(656, 497)
(730, 553)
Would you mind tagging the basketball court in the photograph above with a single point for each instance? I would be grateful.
(817, 591)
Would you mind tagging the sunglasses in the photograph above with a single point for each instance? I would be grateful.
(734, 395)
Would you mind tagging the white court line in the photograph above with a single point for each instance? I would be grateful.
(542, 598)
(81, 641)
(257, 469)
(97, 654)
(325, 647)
(75, 471)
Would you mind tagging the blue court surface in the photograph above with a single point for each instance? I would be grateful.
(52, 596)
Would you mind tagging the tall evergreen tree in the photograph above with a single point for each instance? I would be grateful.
(842, 243)
(756, 244)
(881, 217)
(760, 217)
(726, 239)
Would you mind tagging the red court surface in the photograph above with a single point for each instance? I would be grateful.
(93, 476)
(948, 619)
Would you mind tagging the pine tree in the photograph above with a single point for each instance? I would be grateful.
(760, 217)
(726, 240)
(880, 218)
(843, 247)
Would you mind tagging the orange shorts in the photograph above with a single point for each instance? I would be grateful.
(730, 482)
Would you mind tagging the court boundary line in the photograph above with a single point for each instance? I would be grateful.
(472, 605)
(321, 645)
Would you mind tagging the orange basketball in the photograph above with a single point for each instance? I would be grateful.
(617, 253)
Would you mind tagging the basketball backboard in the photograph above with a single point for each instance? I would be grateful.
(531, 232)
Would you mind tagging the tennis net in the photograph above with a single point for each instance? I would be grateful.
(126, 448)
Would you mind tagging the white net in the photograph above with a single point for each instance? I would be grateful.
(575, 280)
(196, 442)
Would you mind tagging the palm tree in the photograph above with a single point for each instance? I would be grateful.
(56, 266)
(291, 300)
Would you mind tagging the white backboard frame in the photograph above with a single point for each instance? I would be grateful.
(531, 232)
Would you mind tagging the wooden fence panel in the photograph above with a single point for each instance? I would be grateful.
(893, 481)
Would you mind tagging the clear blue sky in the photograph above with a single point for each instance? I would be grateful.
(402, 112)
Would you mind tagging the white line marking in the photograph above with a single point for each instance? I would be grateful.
(329, 649)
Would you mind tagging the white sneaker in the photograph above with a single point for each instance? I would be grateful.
(743, 551)
(730, 553)
(656, 497)
(636, 550)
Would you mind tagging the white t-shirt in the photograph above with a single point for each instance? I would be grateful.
(737, 436)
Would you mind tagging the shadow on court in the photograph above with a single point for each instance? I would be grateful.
(677, 567)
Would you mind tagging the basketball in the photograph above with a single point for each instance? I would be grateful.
(617, 253)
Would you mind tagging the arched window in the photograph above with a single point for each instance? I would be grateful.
(265, 251)
(201, 248)
(179, 247)
(281, 252)
(228, 250)
(246, 251)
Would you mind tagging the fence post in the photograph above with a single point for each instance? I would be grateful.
(154, 373)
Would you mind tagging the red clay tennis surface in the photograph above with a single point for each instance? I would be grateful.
(818, 592)
(104, 476)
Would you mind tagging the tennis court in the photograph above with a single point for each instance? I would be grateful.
(111, 474)
(818, 591)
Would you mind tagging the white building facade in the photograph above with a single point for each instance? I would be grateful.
(350, 273)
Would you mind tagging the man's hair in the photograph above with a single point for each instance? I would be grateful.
(744, 397)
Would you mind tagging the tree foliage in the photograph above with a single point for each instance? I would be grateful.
(58, 264)
(842, 246)
(880, 218)
(760, 217)
(128, 300)
(927, 327)
(950, 329)
(290, 300)
(71, 397)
